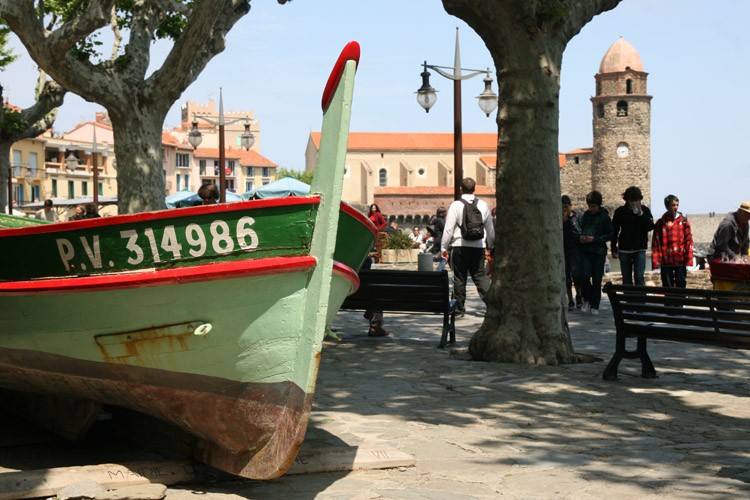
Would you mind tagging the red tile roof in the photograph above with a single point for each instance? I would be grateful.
(407, 141)
(490, 161)
(101, 125)
(580, 151)
(246, 158)
(170, 140)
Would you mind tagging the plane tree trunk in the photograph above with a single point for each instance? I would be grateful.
(526, 306)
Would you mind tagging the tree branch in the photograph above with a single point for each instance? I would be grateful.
(50, 49)
(204, 37)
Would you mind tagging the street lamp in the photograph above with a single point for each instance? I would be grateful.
(71, 162)
(426, 97)
(247, 139)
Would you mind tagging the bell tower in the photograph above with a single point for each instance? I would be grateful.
(622, 126)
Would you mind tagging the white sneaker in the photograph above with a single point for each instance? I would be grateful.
(586, 307)
(595, 312)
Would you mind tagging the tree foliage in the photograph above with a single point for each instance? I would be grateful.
(6, 53)
(306, 176)
(525, 320)
(137, 102)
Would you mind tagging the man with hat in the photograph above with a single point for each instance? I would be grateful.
(731, 237)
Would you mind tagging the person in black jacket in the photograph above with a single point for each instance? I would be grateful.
(631, 224)
(572, 253)
(594, 231)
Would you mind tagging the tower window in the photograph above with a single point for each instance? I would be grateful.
(628, 86)
(577, 160)
(383, 177)
(600, 109)
(622, 108)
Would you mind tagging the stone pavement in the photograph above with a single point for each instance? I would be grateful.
(488, 430)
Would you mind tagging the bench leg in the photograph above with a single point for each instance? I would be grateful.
(647, 367)
(449, 327)
(610, 372)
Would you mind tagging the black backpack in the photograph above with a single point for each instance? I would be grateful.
(473, 226)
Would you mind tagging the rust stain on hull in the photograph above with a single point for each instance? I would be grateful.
(249, 429)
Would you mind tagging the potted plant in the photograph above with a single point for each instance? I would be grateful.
(399, 248)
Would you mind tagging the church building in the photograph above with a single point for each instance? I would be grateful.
(409, 175)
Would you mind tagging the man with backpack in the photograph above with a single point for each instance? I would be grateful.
(467, 226)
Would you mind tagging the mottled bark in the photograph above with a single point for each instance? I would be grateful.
(137, 105)
(526, 313)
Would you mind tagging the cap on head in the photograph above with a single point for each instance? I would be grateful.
(745, 205)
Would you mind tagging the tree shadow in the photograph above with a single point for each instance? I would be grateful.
(650, 435)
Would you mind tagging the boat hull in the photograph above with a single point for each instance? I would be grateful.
(239, 387)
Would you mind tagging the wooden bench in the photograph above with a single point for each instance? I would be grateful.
(712, 317)
(407, 291)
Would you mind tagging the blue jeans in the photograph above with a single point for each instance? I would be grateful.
(633, 265)
(592, 270)
(674, 276)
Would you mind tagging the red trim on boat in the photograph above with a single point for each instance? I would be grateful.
(205, 272)
(161, 214)
(363, 219)
(347, 273)
(350, 52)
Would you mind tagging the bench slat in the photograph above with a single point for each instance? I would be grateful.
(675, 334)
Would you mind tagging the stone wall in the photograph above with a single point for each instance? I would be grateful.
(575, 178)
(612, 174)
(703, 227)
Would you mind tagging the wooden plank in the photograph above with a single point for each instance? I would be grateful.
(47, 482)
(350, 458)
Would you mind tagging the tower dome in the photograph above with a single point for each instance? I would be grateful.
(620, 56)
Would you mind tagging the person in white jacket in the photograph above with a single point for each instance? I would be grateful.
(467, 257)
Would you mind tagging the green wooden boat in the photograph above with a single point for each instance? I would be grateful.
(209, 318)
(16, 221)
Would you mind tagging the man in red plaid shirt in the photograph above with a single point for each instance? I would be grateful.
(672, 245)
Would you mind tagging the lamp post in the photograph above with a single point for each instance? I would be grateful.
(426, 97)
(10, 190)
(247, 139)
(96, 170)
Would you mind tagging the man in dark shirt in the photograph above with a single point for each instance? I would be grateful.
(731, 237)
(631, 224)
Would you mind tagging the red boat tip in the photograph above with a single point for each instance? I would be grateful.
(350, 52)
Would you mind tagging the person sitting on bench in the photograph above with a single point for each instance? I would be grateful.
(374, 316)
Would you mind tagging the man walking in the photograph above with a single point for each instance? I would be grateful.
(467, 226)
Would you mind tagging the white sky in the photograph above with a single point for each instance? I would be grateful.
(278, 58)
